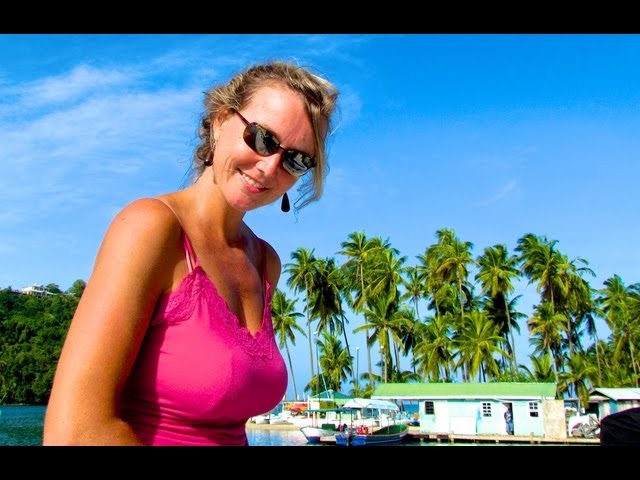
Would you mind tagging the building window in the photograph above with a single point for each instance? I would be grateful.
(486, 409)
(428, 408)
(533, 409)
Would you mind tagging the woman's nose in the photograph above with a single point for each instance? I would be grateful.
(270, 165)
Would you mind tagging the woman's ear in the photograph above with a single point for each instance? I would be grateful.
(218, 121)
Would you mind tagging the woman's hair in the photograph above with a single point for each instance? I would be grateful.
(319, 97)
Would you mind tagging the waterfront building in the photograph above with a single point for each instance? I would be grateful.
(480, 408)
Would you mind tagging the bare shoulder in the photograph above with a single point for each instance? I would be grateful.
(147, 214)
(142, 236)
(146, 220)
(273, 263)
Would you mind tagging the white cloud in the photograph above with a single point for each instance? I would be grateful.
(81, 81)
(507, 190)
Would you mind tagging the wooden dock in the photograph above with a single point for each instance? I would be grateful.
(417, 436)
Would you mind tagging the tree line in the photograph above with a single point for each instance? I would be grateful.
(32, 330)
(465, 334)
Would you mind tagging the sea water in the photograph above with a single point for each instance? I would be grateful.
(22, 426)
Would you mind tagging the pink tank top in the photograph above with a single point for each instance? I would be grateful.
(200, 375)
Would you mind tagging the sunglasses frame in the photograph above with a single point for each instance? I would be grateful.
(292, 160)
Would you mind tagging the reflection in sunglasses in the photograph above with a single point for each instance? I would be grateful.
(264, 143)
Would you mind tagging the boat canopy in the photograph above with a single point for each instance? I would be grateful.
(371, 403)
(327, 410)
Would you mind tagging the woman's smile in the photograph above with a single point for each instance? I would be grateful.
(253, 185)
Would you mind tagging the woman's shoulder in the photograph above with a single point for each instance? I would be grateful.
(147, 219)
(149, 212)
(149, 206)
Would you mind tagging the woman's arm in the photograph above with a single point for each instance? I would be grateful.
(134, 266)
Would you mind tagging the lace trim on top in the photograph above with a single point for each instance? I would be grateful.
(179, 305)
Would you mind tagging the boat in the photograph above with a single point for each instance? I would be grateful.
(324, 422)
(259, 419)
(315, 434)
(386, 435)
(371, 430)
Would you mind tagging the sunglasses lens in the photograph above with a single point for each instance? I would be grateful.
(262, 142)
(259, 140)
(296, 163)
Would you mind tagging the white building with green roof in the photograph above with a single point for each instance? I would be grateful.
(479, 408)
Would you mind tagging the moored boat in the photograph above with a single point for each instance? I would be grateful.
(314, 434)
(386, 435)
(375, 433)
(325, 422)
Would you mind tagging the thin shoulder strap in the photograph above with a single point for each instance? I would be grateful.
(192, 260)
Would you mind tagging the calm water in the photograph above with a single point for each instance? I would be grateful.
(22, 425)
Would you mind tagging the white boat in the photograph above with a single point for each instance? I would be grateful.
(324, 422)
(315, 434)
(259, 419)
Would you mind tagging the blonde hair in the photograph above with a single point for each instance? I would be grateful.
(319, 97)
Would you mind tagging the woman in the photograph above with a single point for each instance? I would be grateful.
(172, 341)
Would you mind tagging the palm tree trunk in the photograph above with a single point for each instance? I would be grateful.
(598, 359)
(553, 364)
(513, 343)
(366, 332)
(633, 361)
(293, 378)
(309, 333)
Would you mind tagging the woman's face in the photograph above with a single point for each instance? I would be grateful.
(246, 179)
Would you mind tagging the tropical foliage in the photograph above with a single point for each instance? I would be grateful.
(450, 317)
(32, 330)
(466, 332)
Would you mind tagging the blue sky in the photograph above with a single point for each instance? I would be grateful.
(493, 136)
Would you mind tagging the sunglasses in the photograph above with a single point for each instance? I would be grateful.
(264, 143)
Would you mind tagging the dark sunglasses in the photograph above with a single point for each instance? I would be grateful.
(264, 143)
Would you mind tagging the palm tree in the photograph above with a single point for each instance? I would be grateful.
(545, 327)
(477, 342)
(583, 308)
(357, 250)
(300, 279)
(385, 319)
(414, 285)
(335, 363)
(543, 369)
(577, 377)
(433, 352)
(385, 275)
(451, 260)
(284, 323)
(497, 270)
(326, 300)
(622, 314)
(541, 262)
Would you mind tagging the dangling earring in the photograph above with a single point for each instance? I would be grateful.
(285, 206)
(209, 160)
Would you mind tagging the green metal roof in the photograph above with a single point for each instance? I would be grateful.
(419, 391)
(617, 393)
